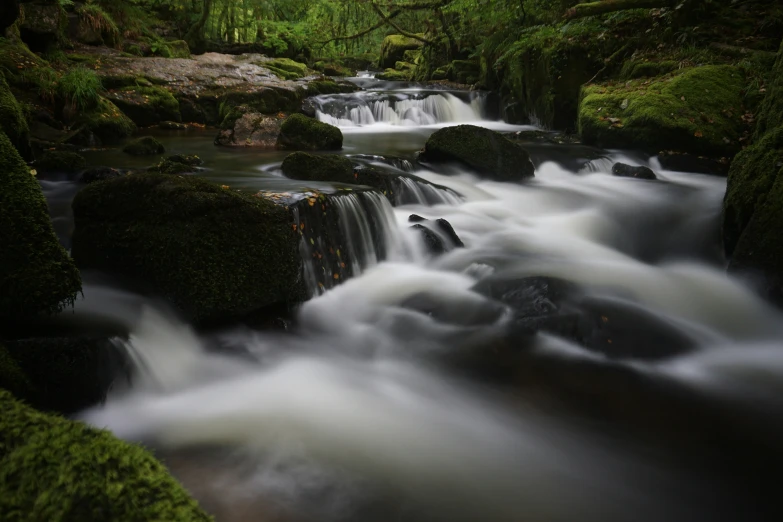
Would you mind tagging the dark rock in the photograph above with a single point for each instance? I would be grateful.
(172, 125)
(94, 174)
(691, 163)
(250, 129)
(41, 24)
(486, 152)
(629, 171)
(415, 218)
(310, 167)
(432, 241)
(446, 228)
(145, 146)
(191, 160)
(146, 105)
(439, 236)
(309, 107)
(299, 132)
(59, 161)
(214, 253)
(177, 164)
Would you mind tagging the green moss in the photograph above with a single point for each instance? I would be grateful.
(144, 146)
(411, 56)
(36, 274)
(298, 70)
(106, 122)
(178, 49)
(266, 100)
(213, 252)
(394, 75)
(484, 151)
(146, 105)
(393, 49)
(12, 120)
(698, 111)
(771, 110)
(52, 468)
(404, 67)
(309, 167)
(60, 161)
(12, 378)
(303, 133)
(640, 69)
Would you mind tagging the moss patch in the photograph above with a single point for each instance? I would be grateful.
(211, 251)
(393, 49)
(107, 124)
(146, 105)
(393, 75)
(52, 468)
(144, 146)
(299, 132)
(292, 68)
(697, 111)
(309, 167)
(36, 274)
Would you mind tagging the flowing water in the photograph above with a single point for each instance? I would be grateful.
(364, 409)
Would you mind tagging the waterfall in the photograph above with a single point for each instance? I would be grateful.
(411, 191)
(401, 109)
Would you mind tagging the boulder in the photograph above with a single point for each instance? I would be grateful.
(172, 125)
(41, 24)
(146, 106)
(60, 161)
(439, 236)
(697, 110)
(393, 75)
(144, 146)
(432, 242)
(105, 125)
(684, 162)
(94, 174)
(309, 167)
(52, 468)
(36, 274)
(483, 151)
(298, 132)
(286, 68)
(393, 49)
(629, 171)
(177, 164)
(214, 253)
(249, 129)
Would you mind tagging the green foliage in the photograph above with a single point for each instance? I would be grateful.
(80, 89)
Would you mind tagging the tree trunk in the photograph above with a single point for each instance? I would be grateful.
(195, 36)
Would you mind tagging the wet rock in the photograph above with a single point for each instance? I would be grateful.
(94, 174)
(432, 241)
(393, 75)
(172, 125)
(629, 171)
(177, 164)
(446, 228)
(310, 167)
(415, 218)
(144, 146)
(104, 125)
(439, 236)
(250, 129)
(309, 108)
(298, 132)
(214, 253)
(146, 106)
(485, 152)
(12, 120)
(60, 161)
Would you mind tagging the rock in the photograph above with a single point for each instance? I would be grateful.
(57, 469)
(329, 86)
(752, 210)
(59, 161)
(12, 120)
(36, 274)
(486, 152)
(432, 241)
(696, 110)
(299, 132)
(190, 160)
(447, 230)
(40, 24)
(178, 49)
(146, 106)
(393, 49)
(439, 236)
(250, 129)
(214, 253)
(99, 174)
(309, 108)
(177, 164)
(286, 68)
(684, 162)
(106, 125)
(309, 167)
(172, 125)
(393, 75)
(144, 146)
(629, 171)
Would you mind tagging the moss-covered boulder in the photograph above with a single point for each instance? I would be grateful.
(698, 110)
(36, 274)
(214, 253)
(42, 24)
(393, 75)
(178, 49)
(286, 68)
(105, 125)
(483, 151)
(146, 105)
(52, 468)
(177, 164)
(12, 120)
(464, 71)
(60, 161)
(393, 49)
(309, 167)
(144, 146)
(298, 132)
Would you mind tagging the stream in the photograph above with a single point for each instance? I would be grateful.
(357, 410)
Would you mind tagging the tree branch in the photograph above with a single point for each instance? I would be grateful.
(397, 27)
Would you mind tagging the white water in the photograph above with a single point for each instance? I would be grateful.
(351, 416)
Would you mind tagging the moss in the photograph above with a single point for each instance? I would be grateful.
(177, 164)
(146, 105)
(12, 120)
(335, 69)
(36, 274)
(404, 67)
(484, 151)
(640, 69)
(212, 252)
(303, 133)
(411, 56)
(394, 75)
(52, 468)
(216, 104)
(328, 86)
(60, 161)
(144, 146)
(309, 167)
(106, 123)
(286, 64)
(698, 111)
(393, 49)
(178, 49)
(464, 71)
(771, 110)
(12, 378)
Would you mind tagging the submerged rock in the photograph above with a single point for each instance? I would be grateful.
(298, 132)
(52, 468)
(684, 162)
(212, 252)
(144, 146)
(629, 171)
(36, 274)
(60, 161)
(485, 152)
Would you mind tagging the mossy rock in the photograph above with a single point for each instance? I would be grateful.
(12, 120)
(12, 378)
(293, 68)
(309, 167)
(177, 164)
(697, 111)
(483, 151)
(148, 105)
(214, 253)
(178, 49)
(393, 49)
(36, 274)
(299, 132)
(335, 69)
(411, 56)
(144, 146)
(770, 113)
(328, 86)
(105, 125)
(394, 75)
(405, 67)
(53, 468)
(214, 104)
(60, 161)
(464, 71)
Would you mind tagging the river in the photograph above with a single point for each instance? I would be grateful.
(357, 411)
